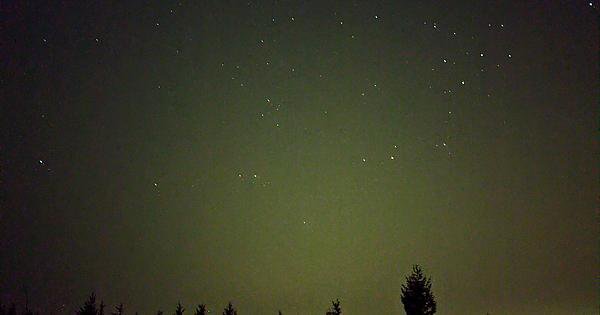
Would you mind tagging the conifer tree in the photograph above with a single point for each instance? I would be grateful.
(416, 294)
(336, 309)
(89, 308)
(179, 310)
(200, 310)
(229, 310)
(118, 310)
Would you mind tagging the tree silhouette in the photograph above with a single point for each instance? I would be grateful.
(279, 313)
(229, 310)
(179, 310)
(200, 309)
(89, 308)
(335, 309)
(416, 294)
(102, 306)
(118, 309)
(159, 313)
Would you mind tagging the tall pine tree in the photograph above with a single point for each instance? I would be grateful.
(336, 309)
(119, 309)
(179, 310)
(200, 309)
(229, 310)
(416, 294)
(89, 308)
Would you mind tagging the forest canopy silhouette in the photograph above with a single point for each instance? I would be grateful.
(416, 297)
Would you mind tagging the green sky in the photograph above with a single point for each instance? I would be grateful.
(280, 154)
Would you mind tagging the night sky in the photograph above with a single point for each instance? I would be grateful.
(280, 154)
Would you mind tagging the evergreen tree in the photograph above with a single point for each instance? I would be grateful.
(159, 313)
(89, 308)
(200, 310)
(336, 309)
(229, 310)
(118, 309)
(179, 310)
(416, 294)
(279, 313)
(102, 306)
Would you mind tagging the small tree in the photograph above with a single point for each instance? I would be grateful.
(119, 309)
(89, 308)
(335, 309)
(229, 310)
(179, 310)
(279, 313)
(200, 309)
(159, 313)
(102, 306)
(416, 294)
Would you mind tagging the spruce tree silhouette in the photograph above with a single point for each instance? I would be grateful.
(229, 310)
(89, 308)
(279, 313)
(119, 309)
(201, 309)
(179, 310)
(159, 313)
(335, 309)
(416, 294)
(102, 306)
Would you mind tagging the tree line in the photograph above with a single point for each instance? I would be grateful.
(416, 297)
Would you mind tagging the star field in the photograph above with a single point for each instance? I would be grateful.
(281, 154)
